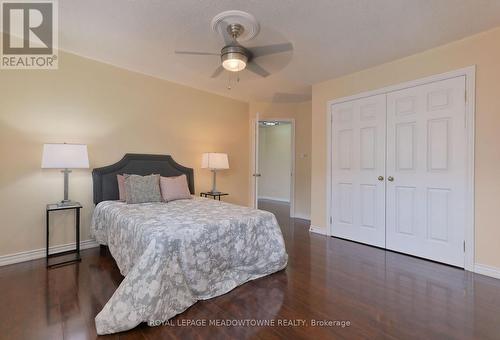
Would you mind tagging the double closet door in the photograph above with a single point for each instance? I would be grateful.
(399, 170)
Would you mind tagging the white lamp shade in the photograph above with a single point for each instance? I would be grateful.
(214, 161)
(65, 156)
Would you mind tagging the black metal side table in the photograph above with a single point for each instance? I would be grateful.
(68, 256)
(215, 195)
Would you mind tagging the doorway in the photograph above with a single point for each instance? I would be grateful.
(274, 166)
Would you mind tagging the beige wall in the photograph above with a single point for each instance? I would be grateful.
(275, 161)
(114, 111)
(482, 50)
(301, 113)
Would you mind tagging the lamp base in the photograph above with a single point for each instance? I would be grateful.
(214, 190)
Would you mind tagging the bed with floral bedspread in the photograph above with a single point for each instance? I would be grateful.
(174, 254)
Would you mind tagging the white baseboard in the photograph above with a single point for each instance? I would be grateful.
(487, 270)
(40, 253)
(318, 230)
(285, 200)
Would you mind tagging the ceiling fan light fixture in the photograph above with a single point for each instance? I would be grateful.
(234, 63)
(234, 58)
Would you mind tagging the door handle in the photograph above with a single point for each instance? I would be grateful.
(380, 178)
(390, 178)
(257, 175)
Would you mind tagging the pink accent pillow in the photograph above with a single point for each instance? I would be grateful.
(122, 192)
(174, 188)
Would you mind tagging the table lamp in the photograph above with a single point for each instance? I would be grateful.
(214, 161)
(65, 157)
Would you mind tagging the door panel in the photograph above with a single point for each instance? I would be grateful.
(358, 159)
(426, 157)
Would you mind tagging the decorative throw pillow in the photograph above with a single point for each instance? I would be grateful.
(142, 189)
(122, 194)
(174, 188)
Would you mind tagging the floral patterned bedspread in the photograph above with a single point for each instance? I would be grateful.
(174, 254)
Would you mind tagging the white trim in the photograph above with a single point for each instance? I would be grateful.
(318, 230)
(40, 253)
(470, 114)
(470, 88)
(487, 270)
(329, 146)
(284, 200)
(466, 71)
(254, 160)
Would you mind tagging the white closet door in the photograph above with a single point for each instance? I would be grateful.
(358, 159)
(426, 157)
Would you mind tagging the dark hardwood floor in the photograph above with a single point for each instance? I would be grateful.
(382, 295)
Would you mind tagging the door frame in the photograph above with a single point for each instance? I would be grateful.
(470, 98)
(255, 154)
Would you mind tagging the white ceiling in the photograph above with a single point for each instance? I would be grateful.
(330, 37)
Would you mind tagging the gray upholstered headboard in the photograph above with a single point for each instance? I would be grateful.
(106, 184)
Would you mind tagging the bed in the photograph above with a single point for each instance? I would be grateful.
(174, 254)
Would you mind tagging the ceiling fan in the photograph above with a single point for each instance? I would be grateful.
(235, 57)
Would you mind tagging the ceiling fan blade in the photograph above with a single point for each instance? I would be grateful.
(260, 51)
(257, 69)
(196, 53)
(217, 72)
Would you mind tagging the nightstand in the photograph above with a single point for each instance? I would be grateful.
(69, 256)
(215, 195)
